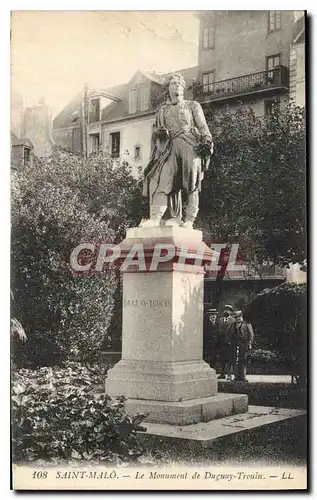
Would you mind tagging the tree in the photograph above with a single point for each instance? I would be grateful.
(254, 192)
(58, 203)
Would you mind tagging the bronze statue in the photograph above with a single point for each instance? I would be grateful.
(181, 149)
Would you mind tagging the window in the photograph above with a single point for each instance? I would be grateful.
(26, 156)
(94, 114)
(208, 82)
(274, 20)
(139, 99)
(271, 63)
(137, 152)
(95, 142)
(208, 37)
(270, 105)
(115, 144)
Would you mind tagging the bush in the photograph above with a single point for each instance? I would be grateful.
(278, 315)
(57, 415)
(273, 394)
(254, 191)
(57, 204)
(261, 356)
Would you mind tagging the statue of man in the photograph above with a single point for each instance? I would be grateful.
(181, 149)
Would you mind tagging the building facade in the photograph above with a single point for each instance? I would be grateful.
(118, 119)
(244, 56)
(67, 125)
(297, 63)
(254, 57)
(22, 152)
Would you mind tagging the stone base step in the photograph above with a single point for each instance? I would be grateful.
(189, 411)
(206, 433)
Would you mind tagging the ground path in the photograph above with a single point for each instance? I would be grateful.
(270, 379)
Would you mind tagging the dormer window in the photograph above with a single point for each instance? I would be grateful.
(94, 112)
(139, 99)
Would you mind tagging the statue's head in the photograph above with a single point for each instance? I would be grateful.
(176, 86)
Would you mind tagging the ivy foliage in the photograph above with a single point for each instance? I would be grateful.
(57, 415)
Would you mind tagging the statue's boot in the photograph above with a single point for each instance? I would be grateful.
(191, 214)
(157, 212)
(173, 222)
(188, 224)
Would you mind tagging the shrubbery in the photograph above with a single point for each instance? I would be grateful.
(57, 204)
(279, 316)
(254, 191)
(56, 414)
(261, 356)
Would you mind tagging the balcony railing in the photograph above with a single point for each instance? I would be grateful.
(276, 78)
(93, 117)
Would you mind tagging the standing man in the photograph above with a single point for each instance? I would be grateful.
(181, 150)
(211, 339)
(243, 337)
(225, 329)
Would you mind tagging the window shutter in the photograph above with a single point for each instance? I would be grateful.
(144, 98)
(132, 101)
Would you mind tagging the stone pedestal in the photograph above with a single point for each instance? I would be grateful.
(162, 371)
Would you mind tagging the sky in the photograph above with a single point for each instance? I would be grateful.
(54, 53)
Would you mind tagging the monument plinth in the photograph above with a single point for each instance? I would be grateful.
(162, 371)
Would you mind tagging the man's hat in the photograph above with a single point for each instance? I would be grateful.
(228, 306)
(212, 311)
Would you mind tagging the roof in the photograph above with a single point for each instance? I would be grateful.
(63, 119)
(115, 111)
(119, 109)
(15, 141)
(189, 74)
